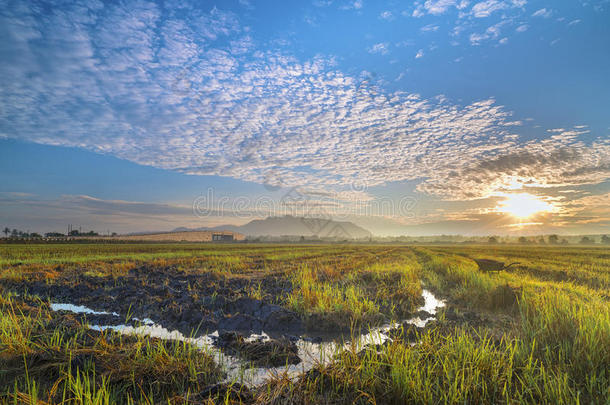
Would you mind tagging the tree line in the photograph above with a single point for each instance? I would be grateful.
(553, 240)
(18, 234)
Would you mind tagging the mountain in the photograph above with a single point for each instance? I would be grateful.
(294, 226)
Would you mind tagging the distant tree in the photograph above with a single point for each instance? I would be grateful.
(606, 239)
(564, 241)
(542, 241)
(54, 235)
(114, 234)
(492, 239)
(553, 239)
(15, 233)
(35, 235)
(6, 231)
(586, 240)
(522, 239)
(74, 233)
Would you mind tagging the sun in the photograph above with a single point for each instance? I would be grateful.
(523, 205)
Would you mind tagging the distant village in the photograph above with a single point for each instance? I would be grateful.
(76, 235)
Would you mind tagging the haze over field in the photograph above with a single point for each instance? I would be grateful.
(437, 116)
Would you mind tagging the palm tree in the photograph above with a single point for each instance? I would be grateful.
(6, 231)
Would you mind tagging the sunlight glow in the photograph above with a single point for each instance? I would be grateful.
(523, 205)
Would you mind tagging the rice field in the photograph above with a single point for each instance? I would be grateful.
(537, 332)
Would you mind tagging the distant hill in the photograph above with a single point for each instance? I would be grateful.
(294, 226)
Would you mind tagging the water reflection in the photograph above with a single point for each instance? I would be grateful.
(310, 353)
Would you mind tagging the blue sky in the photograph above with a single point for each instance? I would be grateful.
(406, 117)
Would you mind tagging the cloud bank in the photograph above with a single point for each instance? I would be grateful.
(188, 89)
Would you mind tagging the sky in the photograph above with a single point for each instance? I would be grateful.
(415, 118)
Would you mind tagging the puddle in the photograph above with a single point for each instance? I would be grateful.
(79, 309)
(311, 354)
(431, 303)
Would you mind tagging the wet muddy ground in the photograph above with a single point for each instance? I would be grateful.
(248, 357)
(192, 303)
(217, 313)
(242, 327)
(250, 337)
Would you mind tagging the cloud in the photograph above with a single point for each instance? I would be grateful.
(353, 5)
(96, 205)
(486, 8)
(311, 20)
(475, 39)
(418, 12)
(405, 43)
(559, 161)
(522, 28)
(479, 10)
(12, 196)
(429, 28)
(469, 14)
(191, 91)
(574, 22)
(247, 4)
(28, 212)
(419, 54)
(45, 215)
(381, 48)
(592, 205)
(438, 7)
(492, 32)
(386, 15)
(543, 12)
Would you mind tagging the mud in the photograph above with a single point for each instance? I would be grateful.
(250, 338)
(192, 303)
(488, 265)
(260, 352)
(232, 393)
(251, 359)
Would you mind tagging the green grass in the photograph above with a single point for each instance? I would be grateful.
(547, 339)
(52, 358)
(363, 292)
(558, 354)
(343, 302)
